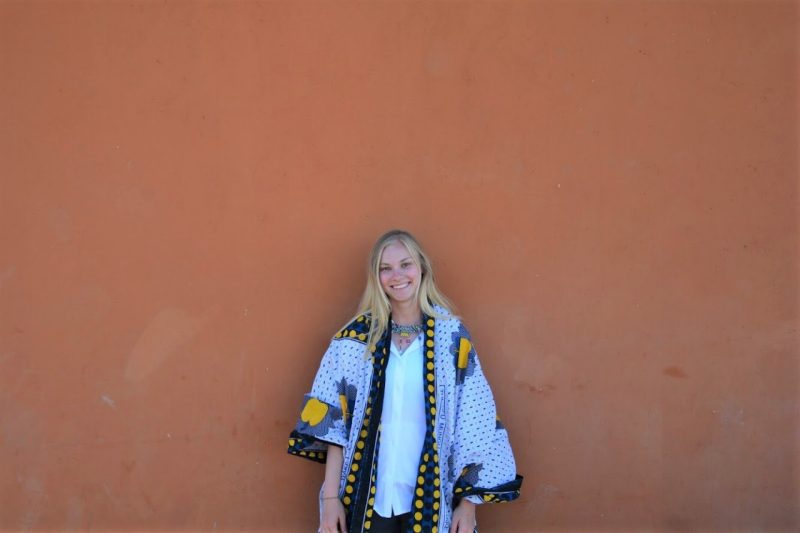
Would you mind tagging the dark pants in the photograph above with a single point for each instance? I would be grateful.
(395, 524)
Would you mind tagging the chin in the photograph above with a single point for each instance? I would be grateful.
(409, 299)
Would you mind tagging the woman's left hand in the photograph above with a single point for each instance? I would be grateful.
(463, 518)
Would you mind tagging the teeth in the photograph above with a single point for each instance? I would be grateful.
(403, 286)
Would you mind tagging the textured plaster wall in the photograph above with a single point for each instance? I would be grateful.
(188, 191)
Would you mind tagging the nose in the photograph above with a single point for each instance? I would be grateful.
(395, 274)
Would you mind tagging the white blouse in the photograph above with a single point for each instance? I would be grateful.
(402, 430)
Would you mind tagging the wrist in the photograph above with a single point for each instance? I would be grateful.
(330, 490)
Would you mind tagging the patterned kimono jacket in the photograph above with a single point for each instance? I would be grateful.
(466, 453)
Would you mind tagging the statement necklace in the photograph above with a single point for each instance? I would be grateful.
(406, 331)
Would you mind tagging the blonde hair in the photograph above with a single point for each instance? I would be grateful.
(375, 302)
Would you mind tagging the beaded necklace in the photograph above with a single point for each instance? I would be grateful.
(406, 331)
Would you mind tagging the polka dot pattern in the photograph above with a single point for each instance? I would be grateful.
(358, 330)
(466, 453)
(480, 462)
(428, 488)
(303, 446)
(361, 480)
(465, 488)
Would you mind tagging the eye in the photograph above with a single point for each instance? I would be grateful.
(384, 268)
(405, 265)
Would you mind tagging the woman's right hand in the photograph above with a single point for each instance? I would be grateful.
(332, 516)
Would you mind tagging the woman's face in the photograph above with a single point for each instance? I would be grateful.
(399, 274)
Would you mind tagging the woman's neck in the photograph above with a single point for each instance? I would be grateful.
(406, 313)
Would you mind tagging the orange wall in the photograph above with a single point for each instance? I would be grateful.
(189, 191)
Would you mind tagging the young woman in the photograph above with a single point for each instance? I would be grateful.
(401, 412)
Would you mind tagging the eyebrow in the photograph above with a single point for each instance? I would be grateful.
(404, 259)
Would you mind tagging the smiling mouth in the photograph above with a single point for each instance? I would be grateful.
(401, 286)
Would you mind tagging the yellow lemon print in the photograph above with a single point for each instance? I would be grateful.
(343, 403)
(464, 346)
(313, 412)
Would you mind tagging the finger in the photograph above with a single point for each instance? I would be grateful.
(454, 526)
